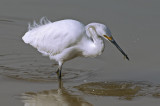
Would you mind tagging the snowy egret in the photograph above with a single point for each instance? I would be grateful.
(66, 39)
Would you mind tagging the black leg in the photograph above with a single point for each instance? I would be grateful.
(59, 69)
(60, 83)
(59, 73)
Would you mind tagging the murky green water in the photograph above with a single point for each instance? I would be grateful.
(28, 78)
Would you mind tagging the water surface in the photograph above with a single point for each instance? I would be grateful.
(26, 77)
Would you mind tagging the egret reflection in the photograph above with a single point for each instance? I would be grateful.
(55, 97)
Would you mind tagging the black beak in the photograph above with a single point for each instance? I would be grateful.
(114, 42)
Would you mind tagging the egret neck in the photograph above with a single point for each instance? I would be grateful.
(95, 46)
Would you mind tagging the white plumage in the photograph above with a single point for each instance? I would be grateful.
(66, 39)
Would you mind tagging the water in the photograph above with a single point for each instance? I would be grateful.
(106, 80)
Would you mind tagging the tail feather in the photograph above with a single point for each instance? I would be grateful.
(27, 38)
(31, 34)
(43, 21)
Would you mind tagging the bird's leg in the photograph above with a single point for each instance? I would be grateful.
(59, 70)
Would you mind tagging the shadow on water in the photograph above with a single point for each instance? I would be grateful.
(121, 89)
(55, 97)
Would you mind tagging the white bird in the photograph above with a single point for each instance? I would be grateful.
(66, 39)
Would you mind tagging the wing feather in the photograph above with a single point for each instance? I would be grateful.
(53, 38)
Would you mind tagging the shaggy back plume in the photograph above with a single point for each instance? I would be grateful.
(43, 21)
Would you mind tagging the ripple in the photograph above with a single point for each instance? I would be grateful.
(26, 67)
(6, 20)
(42, 75)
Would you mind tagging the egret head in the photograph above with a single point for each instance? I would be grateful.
(104, 32)
(108, 36)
